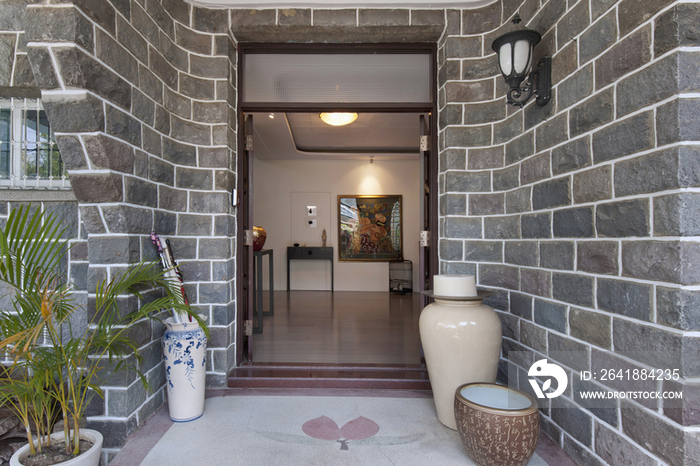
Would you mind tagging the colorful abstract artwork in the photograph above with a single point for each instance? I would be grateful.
(369, 228)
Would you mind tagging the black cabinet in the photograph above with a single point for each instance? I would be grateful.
(310, 253)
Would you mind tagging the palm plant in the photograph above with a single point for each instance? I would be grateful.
(54, 367)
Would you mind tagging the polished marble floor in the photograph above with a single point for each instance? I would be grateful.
(342, 327)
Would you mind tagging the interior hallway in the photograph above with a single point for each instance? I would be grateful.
(344, 327)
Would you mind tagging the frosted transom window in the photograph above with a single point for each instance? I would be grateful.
(337, 78)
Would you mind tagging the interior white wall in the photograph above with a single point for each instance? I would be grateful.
(277, 182)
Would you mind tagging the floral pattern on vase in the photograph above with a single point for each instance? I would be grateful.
(184, 352)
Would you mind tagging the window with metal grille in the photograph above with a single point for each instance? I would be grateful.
(29, 156)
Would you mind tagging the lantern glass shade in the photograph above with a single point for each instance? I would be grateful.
(522, 57)
(515, 50)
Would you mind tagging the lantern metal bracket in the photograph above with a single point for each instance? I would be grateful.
(538, 83)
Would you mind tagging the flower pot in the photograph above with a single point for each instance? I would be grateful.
(498, 425)
(461, 340)
(88, 458)
(184, 351)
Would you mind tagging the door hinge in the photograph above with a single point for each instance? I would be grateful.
(248, 237)
(249, 142)
(425, 143)
(248, 327)
(424, 239)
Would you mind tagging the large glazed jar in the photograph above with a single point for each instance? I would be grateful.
(461, 338)
(184, 351)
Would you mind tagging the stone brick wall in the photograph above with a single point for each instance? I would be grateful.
(16, 77)
(582, 215)
(139, 94)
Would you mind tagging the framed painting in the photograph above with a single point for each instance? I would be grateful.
(370, 228)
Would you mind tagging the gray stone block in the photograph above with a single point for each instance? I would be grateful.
(479, 159)
(547, 16)
(193, 41)
(572, 24)
(57, 25)
(524, 253)
(507, 227)
(594, 112)
(474, 91)
(480, 20)
(161, 172)
(451, 250)
(502, 276)
(294, 17)
(508, 129)
(480, 68)
(634, 134)
(194, 225)
(215, 293)
(593, 185)
(668, 261)
(573, 223)
(177, 103)
(453, 204)
(463, 47)
(520, 148)
(486, 204)
(626, 56)
(483, 251)
(160, 16)
(189, 132)
(116, 57)
(535, 169)
(576, 88)
(677, 215)
(552, 193)
(571, 156)
(615, 449)
(479, 113)
(519, 200)
(215, 248)
(192, 178)
(197, 88)
(675, 28)
(95, 188)
(602, 361)
(195, 271)
(140, 192)
(172, 199)
(564, 64)
(453, 159)
(250, 17)
(633, 13)
(208, 202)
(507, 178)
(209, 67)
(678, 308)
(383, 17)
(75, 114)
(625, 298)
(592, 327)
(128, 219)
(573, 288)
(109, 153)
(653, 84)
(599, 37)
(598, 257)
(115, 433)
(510, 326)
(675, 121)
(451, 114)
(178, 153)
(123, 402)
(684, 410)
(72, 153)
(468, 136)
(12, 15)
(669, 441)
(602, 408)
(165, 223)
(533, 336)
(113, 249)
(468, 181)
(42, 66)
(536, 225)
(463, 227)
(568, 352)
(552, 132)
(521, 306)
(573, 420)
(623, 219)
(550, 315)
(536, 281)
(92, 220)
(123, 125)
(427, 18)
(458, 268)
(347, 17)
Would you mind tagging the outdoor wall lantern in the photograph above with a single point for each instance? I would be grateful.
(515, 50)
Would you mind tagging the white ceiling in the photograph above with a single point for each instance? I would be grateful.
(305, 136)
(260, 4)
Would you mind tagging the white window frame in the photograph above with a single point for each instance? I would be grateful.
(18, 148)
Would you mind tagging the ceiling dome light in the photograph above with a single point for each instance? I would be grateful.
(338, 118)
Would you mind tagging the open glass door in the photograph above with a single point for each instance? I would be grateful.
(245, 239)
(426, 270)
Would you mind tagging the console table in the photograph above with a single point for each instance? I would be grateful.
(310, 253)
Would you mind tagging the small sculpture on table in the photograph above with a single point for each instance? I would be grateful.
(324, 237)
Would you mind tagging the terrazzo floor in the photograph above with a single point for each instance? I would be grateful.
(267, 427)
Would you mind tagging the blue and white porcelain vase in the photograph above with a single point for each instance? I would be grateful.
(184, 351)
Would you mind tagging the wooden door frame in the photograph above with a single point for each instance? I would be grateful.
(243, 108)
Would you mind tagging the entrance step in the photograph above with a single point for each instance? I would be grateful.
(344, 376)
